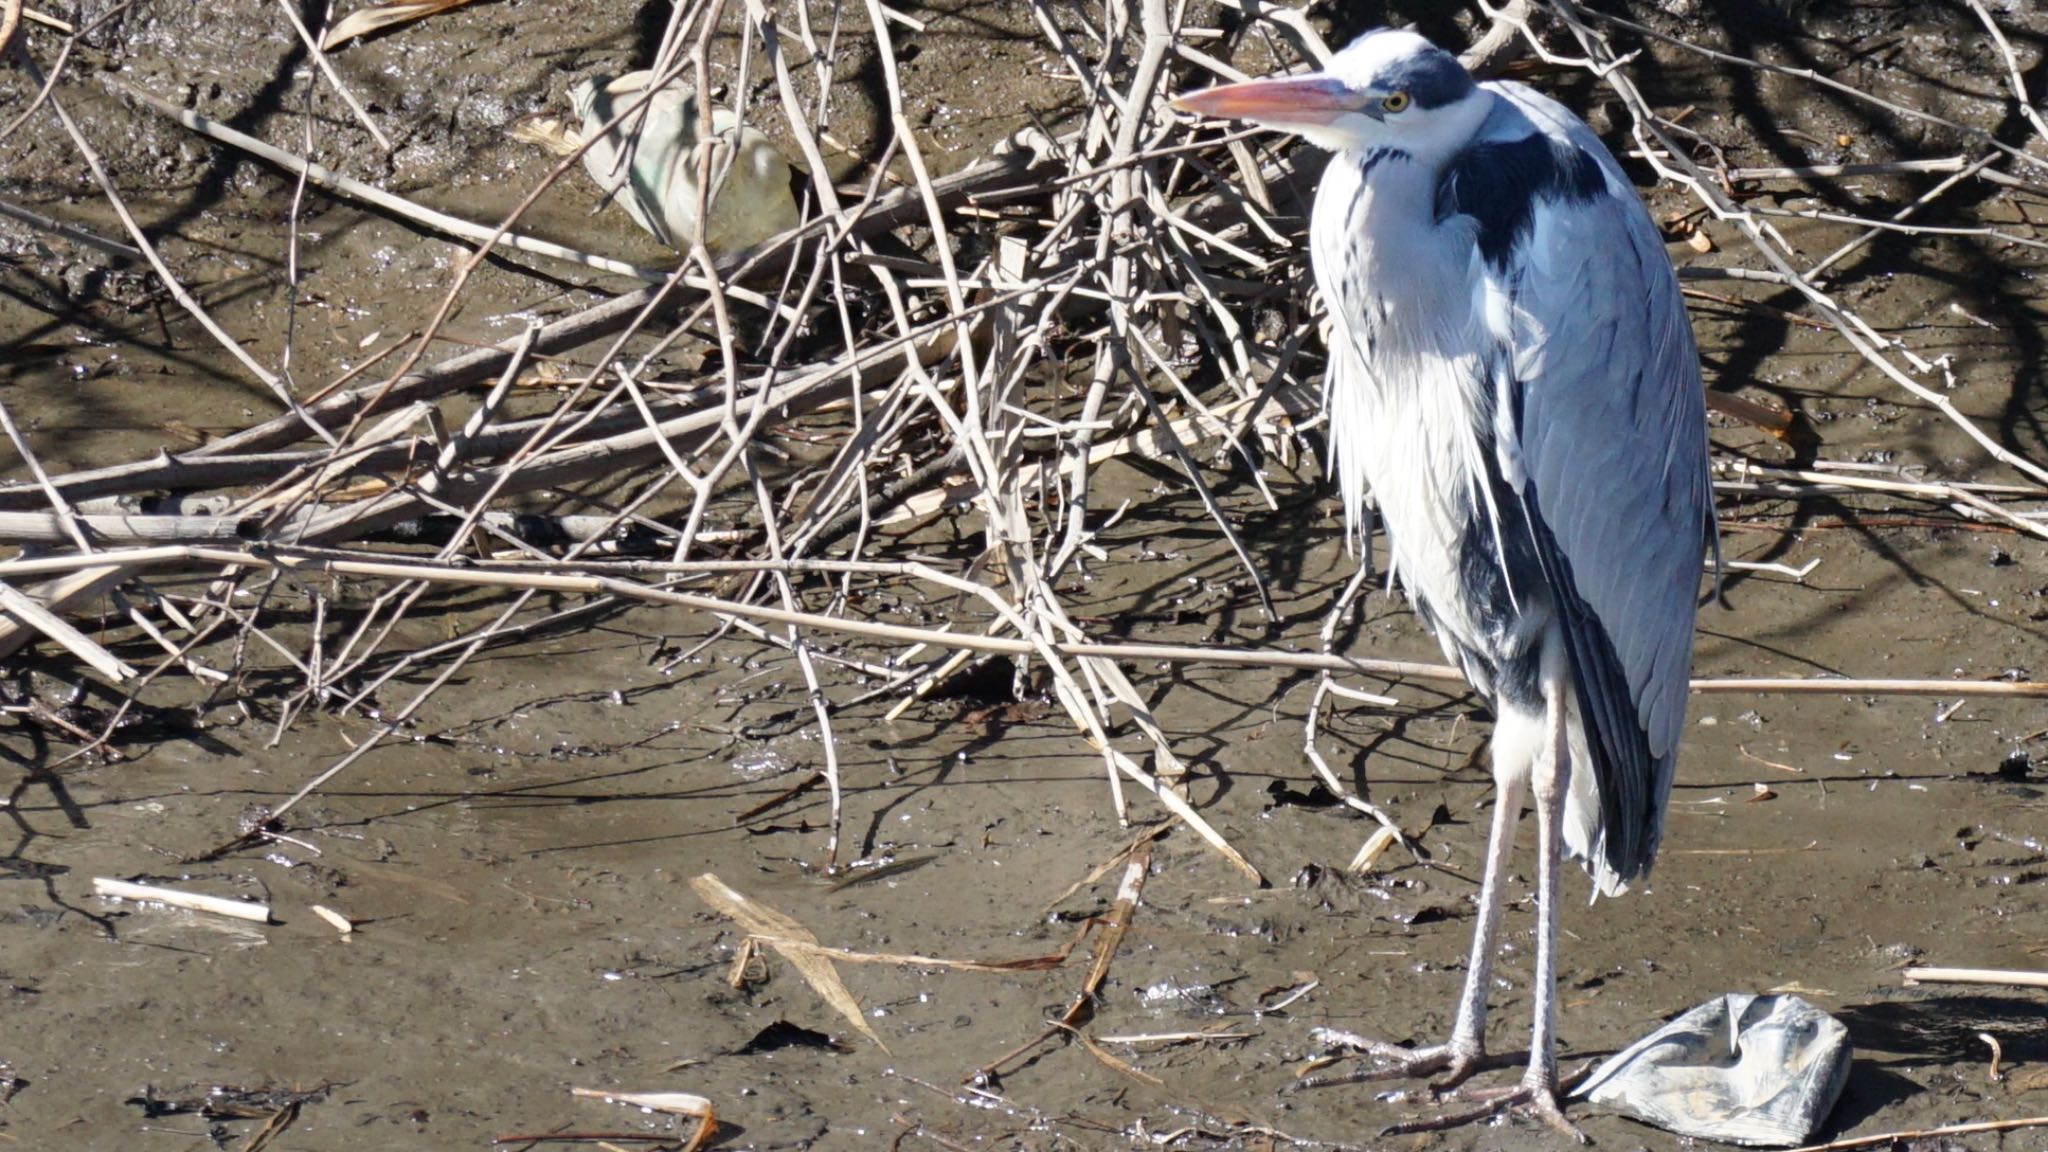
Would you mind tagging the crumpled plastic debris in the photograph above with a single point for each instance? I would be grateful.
(657, 184)
(1741, 1068)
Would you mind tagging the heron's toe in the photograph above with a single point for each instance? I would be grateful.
(1535, 1097)
(1456, 1061)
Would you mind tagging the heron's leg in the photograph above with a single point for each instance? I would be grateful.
(1537, 1093)
(1465, 1052)
(1467, 1045)
(1553, 777)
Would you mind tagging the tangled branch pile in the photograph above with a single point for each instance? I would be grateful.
(750, 435)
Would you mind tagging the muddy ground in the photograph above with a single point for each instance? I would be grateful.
(520, 872)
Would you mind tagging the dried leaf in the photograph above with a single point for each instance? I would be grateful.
(1369, 854)
(1112, 938)
(778, 931)
(673, 1103)
(1776, 421)
(740, 974)
(364, 21)
(1113, 1062)
(546, 130)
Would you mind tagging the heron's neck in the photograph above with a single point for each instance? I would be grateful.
(1382, 217)
(1395, 183)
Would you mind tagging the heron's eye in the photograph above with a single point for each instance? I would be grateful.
(1397, 102)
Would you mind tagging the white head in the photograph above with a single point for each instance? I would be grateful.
(1388, 89)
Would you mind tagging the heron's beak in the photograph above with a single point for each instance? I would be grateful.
(1312, 100)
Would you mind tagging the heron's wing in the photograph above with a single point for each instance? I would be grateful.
(1600, 427)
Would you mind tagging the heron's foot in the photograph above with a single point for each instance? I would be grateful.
(1535, 1097)
(1457, 1061)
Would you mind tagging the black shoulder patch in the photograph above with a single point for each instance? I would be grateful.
(1497, 183)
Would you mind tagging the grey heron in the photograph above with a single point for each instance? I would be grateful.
(1513, 379)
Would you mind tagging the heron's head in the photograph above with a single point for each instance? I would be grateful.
(1388, 89)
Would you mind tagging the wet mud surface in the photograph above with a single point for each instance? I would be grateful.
(520, 871)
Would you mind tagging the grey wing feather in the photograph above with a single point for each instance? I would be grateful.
(1604, 385)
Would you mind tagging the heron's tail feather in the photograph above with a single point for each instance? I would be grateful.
(1582, 830)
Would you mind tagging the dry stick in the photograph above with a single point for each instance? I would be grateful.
(956, 295)
(1899, 217)
(1576, 17)
(34, 16)
(593, 323)
(85, 582)
(1005, 514)
(1326, 686)
(337, 183)
(1840, 171)
(430, 486)
(2015, 978)
(1033, 580)
(476, 259)
(70, 232)
(1293, 24)
(1912, 1137)
(1828, 217)
(1852, 475)
(199, 635)
(820, 705)
(484, 636)
(484, 414)
(63, 511)
(1118, 213)
(1150, 443)
(582, 460)
(149, 253)
(327, 68)
(1082, 1006)
(26, 614)
(2013, 74)
(1129, 334)
(1834, 483)
(1677, 167)
(483, 576)
(151, 893)
(136, 616)
(1997, 513)
(49, 83)
(739, 437)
